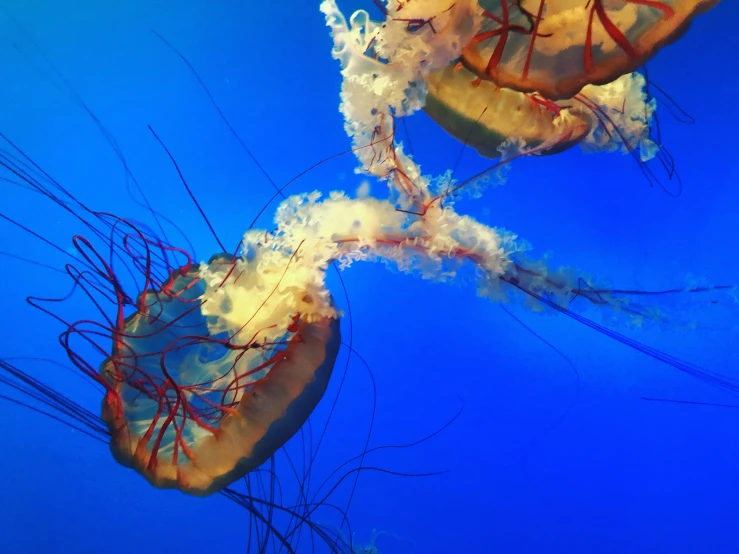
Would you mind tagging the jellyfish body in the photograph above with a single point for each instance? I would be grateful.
(481, 115)
(193, 406)
(555, 47)
(395, 68)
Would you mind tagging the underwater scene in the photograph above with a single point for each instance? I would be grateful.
(369, 276)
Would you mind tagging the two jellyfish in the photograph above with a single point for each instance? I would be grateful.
(222, 362)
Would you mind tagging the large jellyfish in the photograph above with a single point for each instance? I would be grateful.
(184, 403)
(195, 403)
(411, 60)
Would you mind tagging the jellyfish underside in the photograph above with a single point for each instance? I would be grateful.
(484, 116)
(555, 47)
(188, 409)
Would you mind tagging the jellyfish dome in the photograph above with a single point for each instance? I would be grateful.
(207, 379)
(555, 47)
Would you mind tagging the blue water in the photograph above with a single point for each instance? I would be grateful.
(617, 474)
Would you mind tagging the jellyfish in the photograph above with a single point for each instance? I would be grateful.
(194, 380)
(185, 403)
(193, 400)
(181, 396)
(413, 61)
(196, 406)
(555, 48)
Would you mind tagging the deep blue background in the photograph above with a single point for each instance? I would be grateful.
(617, 475)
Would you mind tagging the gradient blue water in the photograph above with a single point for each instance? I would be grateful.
(617, 475)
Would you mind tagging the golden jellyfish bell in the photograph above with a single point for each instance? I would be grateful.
(194, 406)
(555, 47)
